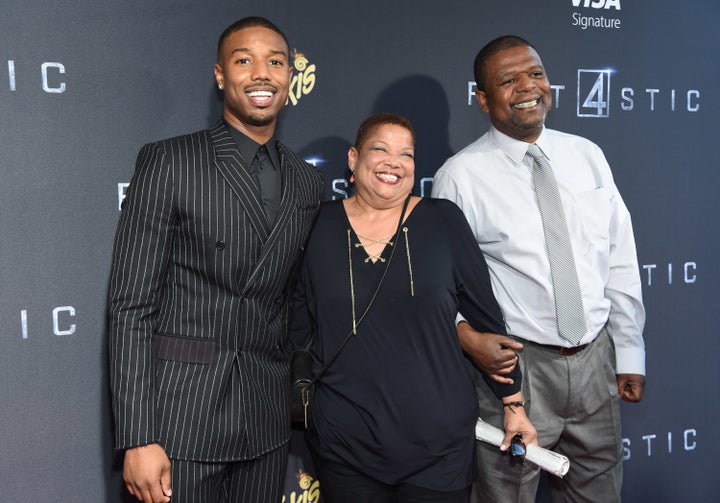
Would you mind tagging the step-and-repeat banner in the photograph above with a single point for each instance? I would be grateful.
(84, 84)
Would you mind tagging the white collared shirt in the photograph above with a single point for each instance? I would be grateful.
(491, 181)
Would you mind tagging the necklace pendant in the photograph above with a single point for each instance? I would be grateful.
(373, 258)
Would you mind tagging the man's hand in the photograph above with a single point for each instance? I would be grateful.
(516, 422)
(493, 354)
(147, 473)
(631, 386)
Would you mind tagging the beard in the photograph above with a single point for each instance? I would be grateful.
(528, 126)
(261, 118)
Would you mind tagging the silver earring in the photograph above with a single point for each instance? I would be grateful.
(220, 86)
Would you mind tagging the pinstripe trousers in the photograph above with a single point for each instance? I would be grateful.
(258, 480)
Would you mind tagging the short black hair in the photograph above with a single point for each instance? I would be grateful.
(373, 122)
(251, 22)
(492, 48)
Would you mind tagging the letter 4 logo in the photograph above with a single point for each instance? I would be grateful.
(593, 93)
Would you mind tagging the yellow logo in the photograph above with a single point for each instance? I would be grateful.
(309, 490)
(303, 80)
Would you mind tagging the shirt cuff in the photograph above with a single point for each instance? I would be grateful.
(630, 361)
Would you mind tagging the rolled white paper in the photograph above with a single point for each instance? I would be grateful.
(555, 463)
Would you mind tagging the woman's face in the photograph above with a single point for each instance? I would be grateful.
(384, 165)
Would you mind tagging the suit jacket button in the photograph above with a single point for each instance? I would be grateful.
(220, 245)
(278, 300)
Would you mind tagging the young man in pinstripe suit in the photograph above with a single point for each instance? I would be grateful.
(211, 229)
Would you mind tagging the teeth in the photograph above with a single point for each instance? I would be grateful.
(260, 94)
(387, 177)
(527, 104)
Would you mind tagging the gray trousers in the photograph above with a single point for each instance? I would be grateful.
(574, 406)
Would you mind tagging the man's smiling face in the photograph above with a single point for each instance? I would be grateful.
(517, 93)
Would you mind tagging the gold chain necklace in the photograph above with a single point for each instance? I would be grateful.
(407, 254)
(380, 241)
(352, 284)
(352, 279)
(386, 241)
(373, 241)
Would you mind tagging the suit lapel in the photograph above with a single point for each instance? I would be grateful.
(287, 198)
(235, 171)
(285, 212)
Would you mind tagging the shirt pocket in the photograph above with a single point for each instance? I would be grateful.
(594, 211)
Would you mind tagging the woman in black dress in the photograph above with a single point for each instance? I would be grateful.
(393, 417)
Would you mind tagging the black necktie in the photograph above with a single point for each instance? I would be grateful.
(264, 172)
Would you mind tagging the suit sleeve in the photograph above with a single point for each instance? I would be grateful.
(141, 253)
(476, 300)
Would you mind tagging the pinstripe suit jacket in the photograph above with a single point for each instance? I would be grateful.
(198, 300)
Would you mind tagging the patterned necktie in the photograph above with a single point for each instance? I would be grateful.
(568, 298)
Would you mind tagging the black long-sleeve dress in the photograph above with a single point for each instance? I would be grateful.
(399, 403)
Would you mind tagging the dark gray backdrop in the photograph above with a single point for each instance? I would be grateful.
(84, 85)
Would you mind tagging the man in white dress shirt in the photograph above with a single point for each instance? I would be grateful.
(572, 388)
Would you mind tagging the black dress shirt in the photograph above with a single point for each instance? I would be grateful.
(269, 177)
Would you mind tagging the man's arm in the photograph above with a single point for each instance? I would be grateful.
(516, 421)
(140, 258)
(493, 354)
(627, 313)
